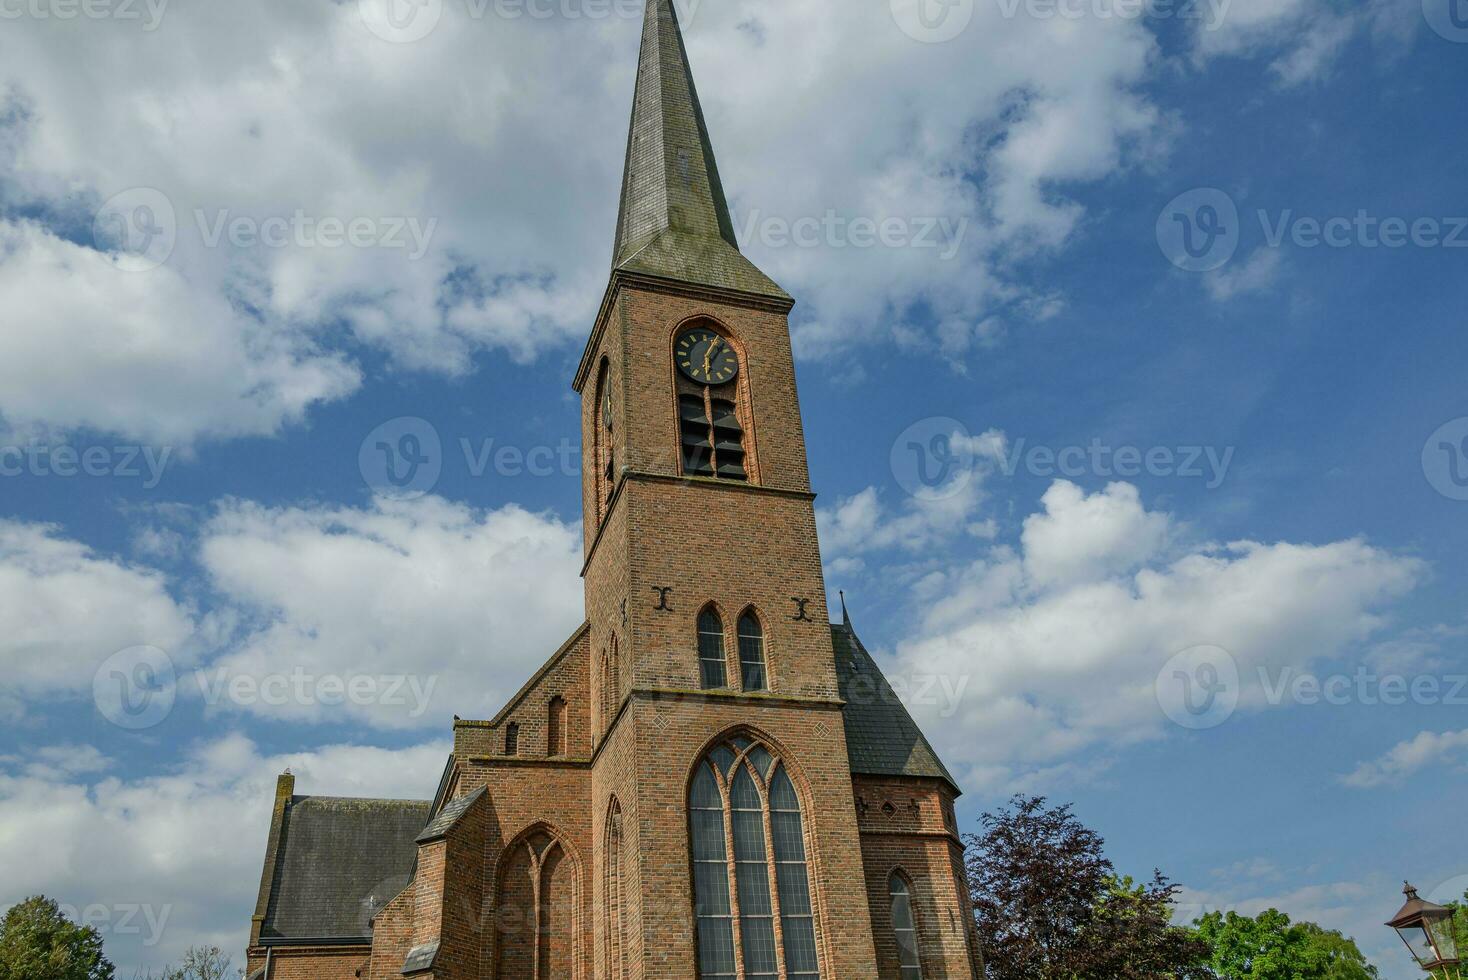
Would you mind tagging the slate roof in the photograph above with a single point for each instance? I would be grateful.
(674, 220)
(339, 861)
(881, 737)
(450, 815)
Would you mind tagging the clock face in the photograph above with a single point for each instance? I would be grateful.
(706, 357)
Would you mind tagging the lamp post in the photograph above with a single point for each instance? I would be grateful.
(1427, 929)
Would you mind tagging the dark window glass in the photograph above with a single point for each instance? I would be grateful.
(904, 928)
(711, 651)
(752, 654)
(512, 739)
(752, 805)
(711, 879)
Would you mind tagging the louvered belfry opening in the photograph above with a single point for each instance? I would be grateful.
(712, 436)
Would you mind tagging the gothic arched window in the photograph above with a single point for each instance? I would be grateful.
(752, 653)
(512, 739)
(536, 921)
(738, 790)
(904, 927)
(711, 666)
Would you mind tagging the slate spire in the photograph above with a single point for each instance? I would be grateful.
(674, 220)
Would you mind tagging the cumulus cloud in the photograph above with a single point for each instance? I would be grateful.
(88, 344)
(165, 861)
(442, 608)
(1052, 648)
(64, 609)
(511, 186)
(1408, 758)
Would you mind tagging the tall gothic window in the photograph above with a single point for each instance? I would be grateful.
(738, 790)
(904, 928)
(512, 739)
(752, 653)
(612, 893)
(555, 727)
(711, 667)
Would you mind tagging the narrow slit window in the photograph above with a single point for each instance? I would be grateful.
(556, 728)
(711, 666)
(512, 739)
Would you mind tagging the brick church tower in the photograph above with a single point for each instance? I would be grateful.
(708, 780)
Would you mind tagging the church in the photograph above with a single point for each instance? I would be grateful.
(708, 779)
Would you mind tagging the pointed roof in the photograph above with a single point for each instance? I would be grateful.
(674, 220)
(881, 737)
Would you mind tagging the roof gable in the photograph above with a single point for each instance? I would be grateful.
(339, 861)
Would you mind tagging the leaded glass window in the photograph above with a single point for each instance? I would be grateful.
(742, 793)
(752, 653)
(711, 667)
(904, 928)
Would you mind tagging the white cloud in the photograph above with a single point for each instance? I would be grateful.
(185, 844)
(1256, 274)
(1083, 539)
(1407, 758)
(518, 181)
(1303, 37)
(145, 354)
(1057, 647)
(464, 605)
(65, 609)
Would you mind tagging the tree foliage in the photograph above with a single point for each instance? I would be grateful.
(38, 942)
(1048, 904)
(1271, 947)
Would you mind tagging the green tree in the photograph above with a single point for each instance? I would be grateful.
(38, 942)
(1049, 906)
(1270, 947)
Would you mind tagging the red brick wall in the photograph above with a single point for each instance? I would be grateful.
(904, 827)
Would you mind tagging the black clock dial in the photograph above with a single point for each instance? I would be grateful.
(706, 357)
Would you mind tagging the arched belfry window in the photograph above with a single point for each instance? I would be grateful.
(752, 673)
(904, 927)
(711, 667)
(738, 790)
(711, 435)
(602, 436)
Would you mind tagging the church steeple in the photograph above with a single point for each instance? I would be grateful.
(674, 221)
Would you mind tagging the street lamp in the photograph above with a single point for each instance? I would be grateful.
(1427, 929)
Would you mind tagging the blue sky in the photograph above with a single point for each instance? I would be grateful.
(1045, 150)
